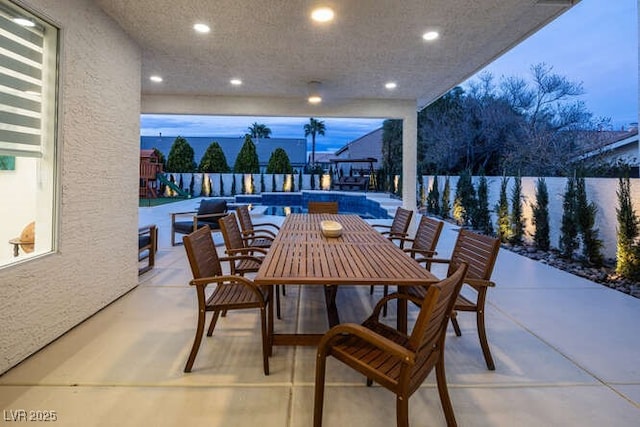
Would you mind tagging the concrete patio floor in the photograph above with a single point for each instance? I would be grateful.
(567, 353)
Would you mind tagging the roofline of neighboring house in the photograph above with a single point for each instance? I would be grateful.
(625, 140)
(346, 147)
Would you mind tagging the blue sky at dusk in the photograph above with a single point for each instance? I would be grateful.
(596, 43)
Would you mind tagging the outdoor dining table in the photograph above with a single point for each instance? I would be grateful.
(302, 255)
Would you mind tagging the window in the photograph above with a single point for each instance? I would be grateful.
(28, 105)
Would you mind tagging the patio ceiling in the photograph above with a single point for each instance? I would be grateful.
(275, 48)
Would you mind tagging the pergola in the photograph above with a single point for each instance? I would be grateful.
(279, 53)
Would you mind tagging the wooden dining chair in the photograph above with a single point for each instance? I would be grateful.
(423, 245)
(249, 258)
(399, 225)
(231, 292)
(396, 361)
(322, 207)
(396, 231)
(261, 235)
(480, 253)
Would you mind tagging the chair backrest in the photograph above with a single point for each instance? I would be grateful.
(478, 251)
(427, 234)
(323, 207)
(231, 232)
(244, 217)
(427, 337)
(202, 254)
(401, 221)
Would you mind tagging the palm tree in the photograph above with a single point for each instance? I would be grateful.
(313, 128)
(258, 130)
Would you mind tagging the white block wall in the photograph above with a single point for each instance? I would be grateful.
(601, 191)
(96, 260)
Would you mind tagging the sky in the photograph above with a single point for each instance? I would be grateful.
(595, 43)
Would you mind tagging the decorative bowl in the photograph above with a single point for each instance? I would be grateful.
(331, 228)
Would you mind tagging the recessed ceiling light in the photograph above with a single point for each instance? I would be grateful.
(390, 85)
(322, 14)
(315, 99)
(24, 22)
(156, 79)
(235, 82)
(202, 28)
(430, 35)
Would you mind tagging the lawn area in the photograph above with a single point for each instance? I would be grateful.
(146, 203)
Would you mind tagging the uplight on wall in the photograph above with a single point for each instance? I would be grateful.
(313, 93)
(325, 182)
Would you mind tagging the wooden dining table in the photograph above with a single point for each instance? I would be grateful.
(302, 255)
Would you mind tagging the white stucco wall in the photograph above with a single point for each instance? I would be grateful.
(96, 261)
(601, 191)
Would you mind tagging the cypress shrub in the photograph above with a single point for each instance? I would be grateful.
(233, 184)
(221, 186)
(247, 160)
(181, 157)
(300, 180)
(273, 182)
(569, 226)
(586, 215)
(465, 202)
(483, 215)
(214, 160)
(541, 216)
(502, 210)
(262, 187)
(628, 250)
(517, 219)
(445, 207)
(433, 198)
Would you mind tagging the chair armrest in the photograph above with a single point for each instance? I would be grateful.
(375, 314)
(480, 283)
(381, 225)
(233, 258)
(267, 224)
(254, 234)
(369, 336)
(146, 229)
(424, 253)
(248, 250)
(211, 215)
(221, 280)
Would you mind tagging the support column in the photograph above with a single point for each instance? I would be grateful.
(409, 158)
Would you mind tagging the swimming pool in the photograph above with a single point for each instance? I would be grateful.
(286, 210)
(282, 204)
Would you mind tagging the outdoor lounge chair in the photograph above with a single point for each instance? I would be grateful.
(207, 214)
(480, 253)
(396, 361)
(147, 246)
(231, 292)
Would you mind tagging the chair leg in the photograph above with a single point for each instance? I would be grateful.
(212, 325)
(454, 322)
(265, 344)
(277, 292)
(402, 411)
(385, 292)
(443, 391)
(196, 340)
(484, 343)
(270, 291)
(318, 400)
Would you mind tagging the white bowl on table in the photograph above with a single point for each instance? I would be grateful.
(331, 228)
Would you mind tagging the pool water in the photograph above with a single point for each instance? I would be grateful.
(286, 210)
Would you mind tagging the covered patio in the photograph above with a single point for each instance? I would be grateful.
(566, 353)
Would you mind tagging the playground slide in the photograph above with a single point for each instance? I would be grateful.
(172, 185)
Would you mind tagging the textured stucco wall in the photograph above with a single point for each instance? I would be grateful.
(601, 191)
(96, 261)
